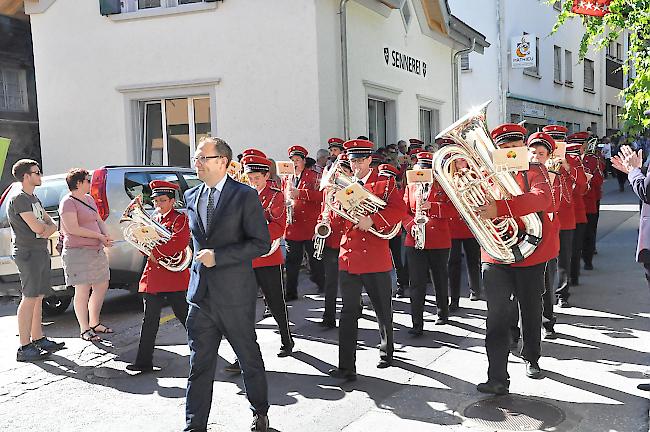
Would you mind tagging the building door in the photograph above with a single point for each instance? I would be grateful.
(171, 129)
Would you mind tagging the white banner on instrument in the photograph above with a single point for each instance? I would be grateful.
(510, 159)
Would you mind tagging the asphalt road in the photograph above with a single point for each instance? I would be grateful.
(591, 370)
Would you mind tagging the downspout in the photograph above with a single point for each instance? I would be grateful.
(344, 69)
(455, 101)
(500, 79)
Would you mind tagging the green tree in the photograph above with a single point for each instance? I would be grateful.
(625, 15)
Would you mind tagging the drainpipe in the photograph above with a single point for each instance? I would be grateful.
(455, 101)
(344, 69)
(500, 63)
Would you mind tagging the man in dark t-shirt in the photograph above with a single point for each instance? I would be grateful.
(31, 226)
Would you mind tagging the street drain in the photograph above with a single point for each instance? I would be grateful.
(513, 413)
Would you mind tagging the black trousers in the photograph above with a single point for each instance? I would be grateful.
(589, 239)
(473, 261)
(206, 325)
(501, 282)
(401, 268)
(564, 263)
(646, 267)
(378, 287)
(420, 263)
(331, 265)
(293, 260)
(153, 303)
(269, 280)
(576, 255)
(548, 299)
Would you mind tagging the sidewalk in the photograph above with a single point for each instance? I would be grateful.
(591, 370)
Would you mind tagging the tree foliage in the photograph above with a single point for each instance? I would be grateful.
(626, 16)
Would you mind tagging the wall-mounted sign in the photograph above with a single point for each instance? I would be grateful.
(597, 8)
(533, 110)
(395, 59)
(523, 49)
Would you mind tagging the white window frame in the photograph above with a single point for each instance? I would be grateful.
(557, 64)
(406, 19)
(128, 6)
(387, 94)
(568, 68)
(593, 78)
(22, 83)
(431, 104)
(534, 70)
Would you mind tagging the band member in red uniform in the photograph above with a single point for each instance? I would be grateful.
(593, 165)
(542, 146)
(433, 254)
(365, 262)
(462, 240)
(575, 147)
(304, 190)
(395, 244)
(331, 253)
(524, 279)
(573, 181)
(159, 285)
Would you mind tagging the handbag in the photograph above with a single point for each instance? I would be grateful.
(59, 244)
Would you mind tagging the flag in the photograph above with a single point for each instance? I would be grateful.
(596, 8)
(4, 148)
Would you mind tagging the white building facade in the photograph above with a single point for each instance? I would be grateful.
(143, 85)
(558, 89)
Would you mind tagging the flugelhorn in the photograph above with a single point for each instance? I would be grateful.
(144, 233)
(501, 238)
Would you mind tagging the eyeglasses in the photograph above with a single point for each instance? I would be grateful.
(38, 173)
(88, 179)
(203, 159)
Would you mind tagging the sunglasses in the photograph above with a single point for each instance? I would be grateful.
(38, 173)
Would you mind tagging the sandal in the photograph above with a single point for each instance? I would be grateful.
(105, 330)
(90, 336)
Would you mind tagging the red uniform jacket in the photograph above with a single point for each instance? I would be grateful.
(156, 278)
(554, 219)
(337, 225)
(362, 252)
(306, 207)
(537, 199)
(438, 235)
(272, 201)
(593, 195)
(579, 192)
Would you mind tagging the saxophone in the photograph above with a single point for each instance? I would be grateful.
(419, 229)
(323, 228)
(501, 238)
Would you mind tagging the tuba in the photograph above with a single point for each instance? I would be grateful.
(144, 233)
(335, 180)
(502, 238)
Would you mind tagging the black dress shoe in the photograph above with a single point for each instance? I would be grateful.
(644, 386)
(327, 324)
(233, 367)
(441, 321)
(267, 312)
(474, 297)
(550, 334)
(495, 388)
(533, 370)
(285, 351)
(260, 423)
(416, 332)
(589, 266)
(383, 364)
(454, 306)
(342, 374)
(563, 303)
(139, 368)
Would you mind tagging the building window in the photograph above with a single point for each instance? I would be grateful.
(377, 122)
(557, 64)
(534, 70)
(13, 90)
(464, 62)
(594, 128)
(171, 129)
(589, 75)
(406, 14)
(619, 52)
(568, 68)
(136, 5)
(429, 124)
(515, 118)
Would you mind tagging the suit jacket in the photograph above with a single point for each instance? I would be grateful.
(641, 186)
(238, 234)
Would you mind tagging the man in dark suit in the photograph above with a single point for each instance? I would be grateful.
(228, 231)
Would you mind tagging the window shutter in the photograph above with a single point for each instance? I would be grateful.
(109, 7)
(464, 62)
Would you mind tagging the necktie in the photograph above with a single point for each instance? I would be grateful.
(210, 210)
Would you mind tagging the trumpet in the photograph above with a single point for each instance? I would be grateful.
(419, 229)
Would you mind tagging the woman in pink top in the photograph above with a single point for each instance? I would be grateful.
(85, 263)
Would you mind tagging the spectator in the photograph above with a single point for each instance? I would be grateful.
(322, 156)
(402, 146)
(85, 263)
(607, 154)
(31, 227)
(274, 178)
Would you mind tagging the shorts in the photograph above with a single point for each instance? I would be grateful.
(34, 269)
(85, 266)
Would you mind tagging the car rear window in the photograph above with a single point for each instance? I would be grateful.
(137, 183)
(51, 192)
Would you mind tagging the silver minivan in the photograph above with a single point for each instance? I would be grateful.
(113, 187)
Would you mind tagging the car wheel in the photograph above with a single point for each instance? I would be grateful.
(55, 305)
